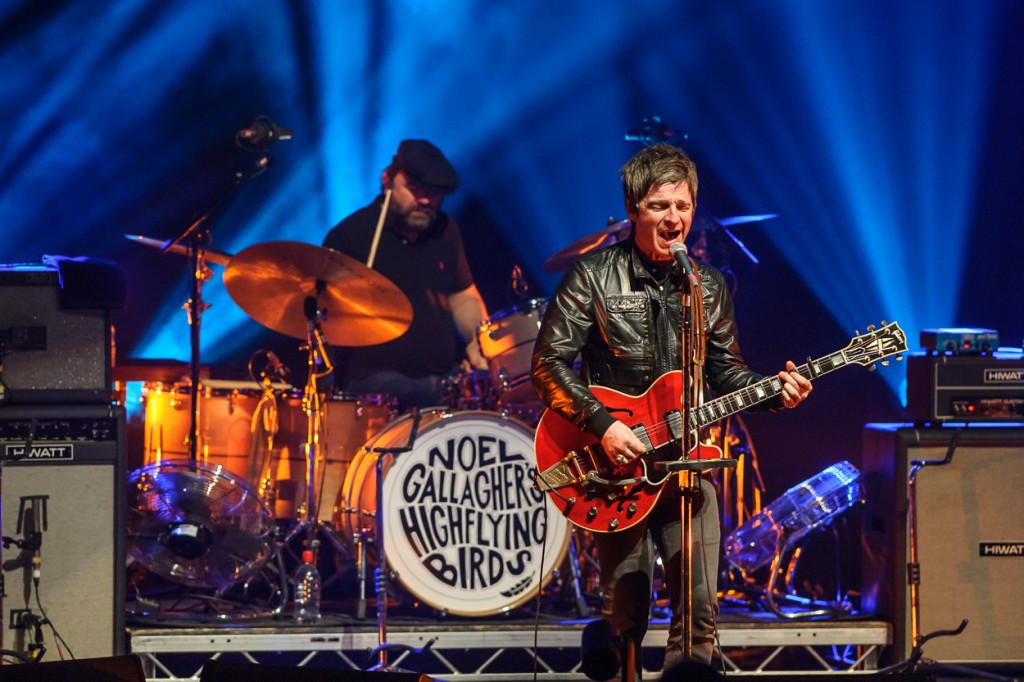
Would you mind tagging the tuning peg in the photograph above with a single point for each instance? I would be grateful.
(872, 368)
(899, 358)
(871, 327)
(885, 363)
(884, 323)
(856, 332)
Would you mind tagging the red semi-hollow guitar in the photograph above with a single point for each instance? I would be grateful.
(593, 492)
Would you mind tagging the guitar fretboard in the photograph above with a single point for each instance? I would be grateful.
(759, 392)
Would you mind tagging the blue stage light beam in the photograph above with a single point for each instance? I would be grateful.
(870, 118)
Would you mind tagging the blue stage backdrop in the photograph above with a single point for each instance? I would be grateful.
(885, 137)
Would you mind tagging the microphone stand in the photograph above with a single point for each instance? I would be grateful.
(383, 456)
(688, 468)
(198, 240)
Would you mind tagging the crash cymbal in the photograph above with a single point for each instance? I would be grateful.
(211, 255)
(613, 233)
(271, 283)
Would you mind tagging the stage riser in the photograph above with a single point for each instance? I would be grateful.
(503, 652)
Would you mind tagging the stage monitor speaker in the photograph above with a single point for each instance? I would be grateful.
(63, 475)
(970, 539)
(109, 669)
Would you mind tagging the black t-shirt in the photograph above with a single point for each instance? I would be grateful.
(427, 272)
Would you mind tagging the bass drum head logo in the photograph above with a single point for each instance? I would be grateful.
(465, 527)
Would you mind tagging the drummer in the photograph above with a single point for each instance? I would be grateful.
(420, 250)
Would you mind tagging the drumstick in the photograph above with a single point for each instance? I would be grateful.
(380, 224)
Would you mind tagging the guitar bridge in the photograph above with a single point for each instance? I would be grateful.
(573, 469)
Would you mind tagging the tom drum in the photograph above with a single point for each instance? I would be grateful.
(224, 429)
(347, 421)
(506, 340)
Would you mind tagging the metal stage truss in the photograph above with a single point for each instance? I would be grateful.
(503, 651)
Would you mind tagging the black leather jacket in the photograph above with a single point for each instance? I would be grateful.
(609, 309)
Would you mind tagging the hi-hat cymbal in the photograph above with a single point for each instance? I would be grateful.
(211, 255)
(613, 233)
(271, 282)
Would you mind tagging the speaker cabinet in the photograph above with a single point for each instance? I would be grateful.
(970, 538)
(63, 475)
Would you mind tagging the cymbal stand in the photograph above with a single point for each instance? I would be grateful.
(317, 357)
(195, 307)
(917, 659)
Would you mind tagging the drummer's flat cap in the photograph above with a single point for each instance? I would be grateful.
(426, 166)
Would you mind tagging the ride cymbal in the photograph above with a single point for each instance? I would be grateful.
(272, 282)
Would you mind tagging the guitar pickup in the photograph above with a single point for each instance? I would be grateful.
(674, 420)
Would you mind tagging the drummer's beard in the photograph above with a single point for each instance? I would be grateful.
(419, 218)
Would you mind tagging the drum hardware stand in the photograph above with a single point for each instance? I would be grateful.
(782, 546)
(917, 659)
(195, 307)
(317, 355)
(381, 572)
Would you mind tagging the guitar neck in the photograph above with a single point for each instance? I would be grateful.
(762, 391)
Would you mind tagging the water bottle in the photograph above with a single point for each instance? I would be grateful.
(307, 591)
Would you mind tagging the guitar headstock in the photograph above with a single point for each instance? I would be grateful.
(876, 344)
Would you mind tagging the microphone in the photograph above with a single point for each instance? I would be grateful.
(263, 132)
(678, 250)
(279, 367)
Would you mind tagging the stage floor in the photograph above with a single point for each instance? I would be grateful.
(500, 648)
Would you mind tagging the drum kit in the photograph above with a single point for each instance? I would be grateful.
(444, 495)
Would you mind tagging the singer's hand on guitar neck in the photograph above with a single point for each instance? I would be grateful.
(620, 444)
(795, 388)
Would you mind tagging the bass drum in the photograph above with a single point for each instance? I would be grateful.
(464, 528)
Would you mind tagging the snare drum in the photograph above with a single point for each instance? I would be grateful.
(347, 421)
(465, 529)
(506, 340)
(224, 430)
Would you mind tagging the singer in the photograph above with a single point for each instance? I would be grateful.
(621, 309)
(419, 248)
